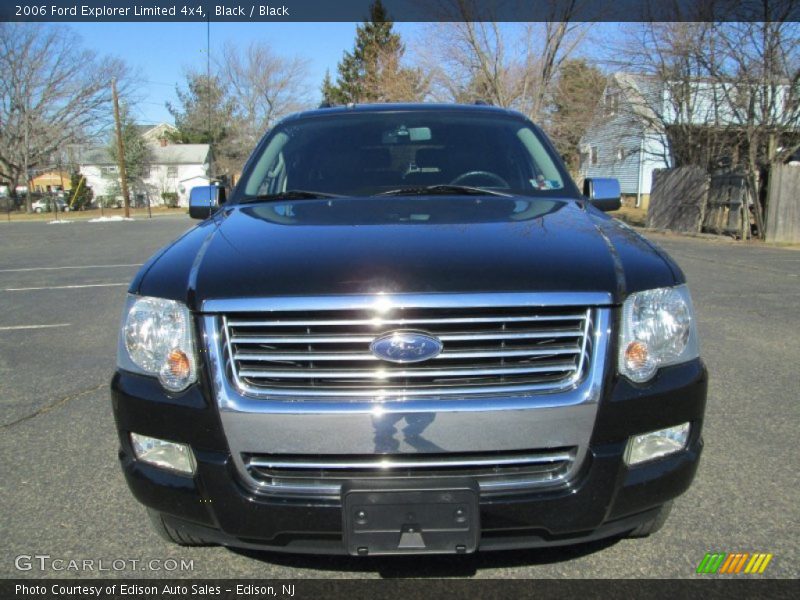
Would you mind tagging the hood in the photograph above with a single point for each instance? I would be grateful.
(401, 245)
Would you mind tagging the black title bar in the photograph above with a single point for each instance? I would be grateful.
(399, 10)
(368, 589)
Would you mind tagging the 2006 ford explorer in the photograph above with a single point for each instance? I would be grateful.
(407, 331)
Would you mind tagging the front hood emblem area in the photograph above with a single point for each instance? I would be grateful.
(406, 347)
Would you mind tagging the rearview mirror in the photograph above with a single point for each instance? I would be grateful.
(603, 193)
(205, 200)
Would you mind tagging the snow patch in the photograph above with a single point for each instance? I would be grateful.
(109, 220)
(59, 222)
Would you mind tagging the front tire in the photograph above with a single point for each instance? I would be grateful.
(171, 534)
(654, 524)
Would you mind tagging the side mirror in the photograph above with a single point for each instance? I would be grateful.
(205, 200)
(604, 194)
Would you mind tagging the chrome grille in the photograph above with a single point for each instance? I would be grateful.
(485, 350)
(322, 476)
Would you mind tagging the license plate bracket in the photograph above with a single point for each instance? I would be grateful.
(380, 519)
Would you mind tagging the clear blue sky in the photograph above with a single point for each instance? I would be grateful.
(162, 52)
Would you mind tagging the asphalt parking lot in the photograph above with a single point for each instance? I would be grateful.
(62, 289)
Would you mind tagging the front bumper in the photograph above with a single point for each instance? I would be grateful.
(604, 498)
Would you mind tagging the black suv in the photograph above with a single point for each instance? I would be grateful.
(407, 331)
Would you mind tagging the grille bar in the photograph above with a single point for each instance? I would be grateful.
(305, 356)
(406, 462)
(378, 321)
(496, 473)
(485, 349)
(366, 339)
(387, 374)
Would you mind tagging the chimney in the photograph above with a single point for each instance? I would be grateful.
(163, 141)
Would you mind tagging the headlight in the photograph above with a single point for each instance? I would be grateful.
(156, 339)
(658, 329)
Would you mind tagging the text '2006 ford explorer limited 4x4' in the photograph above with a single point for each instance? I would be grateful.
(407, 331)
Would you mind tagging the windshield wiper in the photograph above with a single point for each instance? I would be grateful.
(290, 195)
(444, 189)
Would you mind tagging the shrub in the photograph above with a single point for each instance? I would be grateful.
(170, 199)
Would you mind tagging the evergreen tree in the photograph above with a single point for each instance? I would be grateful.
(203, 116)
(372, 72)
(578, 91)
(207, 115)
(328, 89)
(80, 195)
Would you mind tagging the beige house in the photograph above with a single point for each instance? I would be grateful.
(50, 181)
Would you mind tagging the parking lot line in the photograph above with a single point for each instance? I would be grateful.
(16, 327)
(66, 287)
(70, 267)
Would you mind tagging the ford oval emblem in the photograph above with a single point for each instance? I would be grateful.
(406, 347)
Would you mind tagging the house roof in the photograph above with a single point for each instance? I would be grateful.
(637, 88)
(174, 154)
(95, 156)
(699, 102)
(153, 133)
(181, 154)
(206, 177)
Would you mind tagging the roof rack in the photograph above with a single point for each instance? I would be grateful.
(329, 104)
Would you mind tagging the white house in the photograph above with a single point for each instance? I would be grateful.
(627, 140)
(619, 142)
(185, 187)
(173, 169)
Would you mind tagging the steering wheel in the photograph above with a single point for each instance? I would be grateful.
(485, 175)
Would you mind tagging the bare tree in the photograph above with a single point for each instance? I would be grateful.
(52, 93)
(545, 59)
(666, 84)
(264, 86)
(478, 58)
(718, 93)
(759, 81)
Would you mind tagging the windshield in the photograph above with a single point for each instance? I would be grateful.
(364, 154)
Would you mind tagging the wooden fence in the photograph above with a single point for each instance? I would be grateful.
(678, 199)
(783, 205)
(688, 200)
(727, 207)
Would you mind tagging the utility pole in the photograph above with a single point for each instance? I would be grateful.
(121, 152)
(28, 208)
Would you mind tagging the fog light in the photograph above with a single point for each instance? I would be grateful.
(160, 453)
(655, 444)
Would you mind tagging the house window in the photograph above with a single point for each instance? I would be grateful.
(620, 153)
(593, 155)
(109, 172)
(172, 171)
(741, 99)
(611, 102)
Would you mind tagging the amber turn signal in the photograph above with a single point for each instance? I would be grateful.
(636, 355)
(178, 364)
